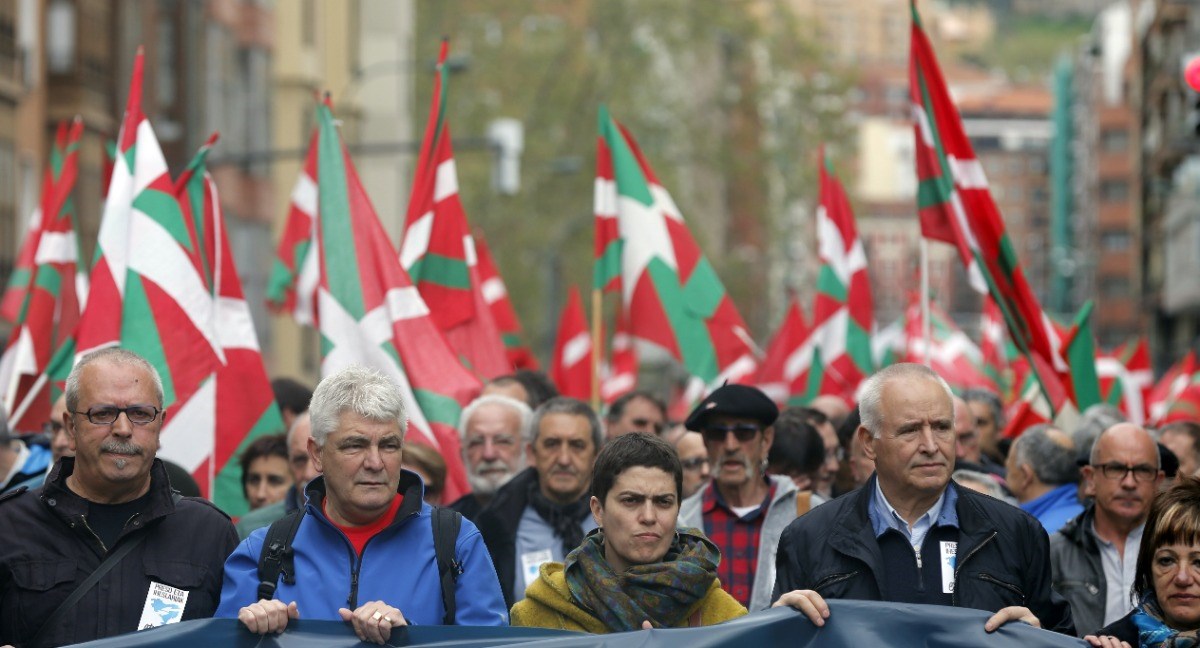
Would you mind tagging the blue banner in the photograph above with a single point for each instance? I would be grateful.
(850, 623)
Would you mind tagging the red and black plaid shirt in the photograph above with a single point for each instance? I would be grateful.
(737, 538)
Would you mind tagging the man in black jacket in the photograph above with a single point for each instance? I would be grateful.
(910, 535)
(542, 513)
(113, 494)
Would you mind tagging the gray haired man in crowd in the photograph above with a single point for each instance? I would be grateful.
(1043, 476)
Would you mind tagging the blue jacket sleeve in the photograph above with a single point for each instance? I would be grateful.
(477, 592)
(240, 585)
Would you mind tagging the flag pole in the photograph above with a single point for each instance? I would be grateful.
(926, 329)
(597, 350)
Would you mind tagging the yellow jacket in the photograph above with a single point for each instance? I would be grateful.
(548, 604)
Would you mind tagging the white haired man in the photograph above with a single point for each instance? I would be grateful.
(910, 535)
(365, 535)
(492, 430)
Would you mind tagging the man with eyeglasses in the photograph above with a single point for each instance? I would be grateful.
(693, 456)
(743, 510)
(637, 411)
(111, 502)
(1094, 556)
(491, 429)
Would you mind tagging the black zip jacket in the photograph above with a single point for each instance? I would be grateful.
(48, 549)
(1003, 556)
(498, 523)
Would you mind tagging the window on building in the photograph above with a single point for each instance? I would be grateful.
(1115, 286)
(1114, 140)
(1115, 240)
(1114, 190)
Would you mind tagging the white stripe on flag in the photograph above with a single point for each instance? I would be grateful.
(56, 247)
(189, 434)
(235, 328)
(446, 183)
(604, 201)
(416, 240)
(304, 195)
(493, 290)
(406, 303)
(576, 349)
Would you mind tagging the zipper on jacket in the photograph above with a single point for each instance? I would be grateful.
(834, 579)
(920, 570)
(356, 561)
(1008, 586)
(84, 524)
(959, 565)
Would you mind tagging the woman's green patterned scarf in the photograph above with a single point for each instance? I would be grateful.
(662, 592)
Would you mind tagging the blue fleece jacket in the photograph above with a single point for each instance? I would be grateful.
(397, 567)
(1056, 507)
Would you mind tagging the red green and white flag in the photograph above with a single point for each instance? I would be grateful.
(245, 407)
(842, 314)
(571, 369)
(784, 369)
(496, 295)
(368, 311)
(1032, 407)
(1126, 379)
(148, 292)
(292, 286)
(951, 354)
(998, 350)
(1171, 388)
(956, 207)
(619, 375)
(438, 251)
(50, 296)
(669, 289)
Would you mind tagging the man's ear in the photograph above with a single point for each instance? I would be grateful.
(314, 454)
(867, 440)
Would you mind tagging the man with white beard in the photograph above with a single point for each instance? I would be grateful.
(492, 432)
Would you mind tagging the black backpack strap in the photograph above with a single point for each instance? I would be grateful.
(446, 523)
(277, 556)
(88, 583)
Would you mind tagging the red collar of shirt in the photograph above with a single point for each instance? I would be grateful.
(359, 535)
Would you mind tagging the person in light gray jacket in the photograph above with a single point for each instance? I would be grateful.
(742, 510)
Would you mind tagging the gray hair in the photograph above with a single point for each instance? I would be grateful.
(989, 398)
(520, 408)
(872, 391)
(1094, 453)
(114, 355)
(1053, 463)
(985, 480)
(364, 391)
(565, 405)
(301, 418)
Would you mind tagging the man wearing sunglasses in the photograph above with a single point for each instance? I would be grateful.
(1094, 556)
(109, 509)
(742, 510)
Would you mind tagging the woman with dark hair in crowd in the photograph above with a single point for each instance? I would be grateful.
(1166, 585)
(636, 570)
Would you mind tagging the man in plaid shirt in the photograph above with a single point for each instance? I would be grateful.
(743, 511)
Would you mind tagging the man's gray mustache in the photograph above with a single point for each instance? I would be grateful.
(122, 447)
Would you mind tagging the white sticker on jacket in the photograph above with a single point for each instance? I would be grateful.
(532, 561)
(164, 604)
(949, 554)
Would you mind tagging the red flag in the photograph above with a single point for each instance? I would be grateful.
(496, 295)
(620, 376)
(784, 369)
(572, 366)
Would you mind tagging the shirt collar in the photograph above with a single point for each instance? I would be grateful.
(883, 516)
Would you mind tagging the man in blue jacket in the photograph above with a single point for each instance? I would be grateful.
(364, 551)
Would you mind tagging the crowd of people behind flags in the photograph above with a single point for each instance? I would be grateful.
(600, 522)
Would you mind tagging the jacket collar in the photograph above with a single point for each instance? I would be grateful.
(410, 487)
(67, 504)
(1079, 530)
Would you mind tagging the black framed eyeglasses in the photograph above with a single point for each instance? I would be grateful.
(1117, 472)
(108, 414)
(743, 431)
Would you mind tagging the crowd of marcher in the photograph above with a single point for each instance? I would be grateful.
(599, 522)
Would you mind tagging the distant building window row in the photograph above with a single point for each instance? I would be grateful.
(1115, 240)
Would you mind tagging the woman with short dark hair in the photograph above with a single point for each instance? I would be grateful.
(266, 476)
(636, 570)
(1166, 584)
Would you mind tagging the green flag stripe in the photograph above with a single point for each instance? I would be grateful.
(703, 292)
(227, 491)
(441, 270)
(337, 233)
(438, 408)
(829, 284)
(691, 336)
(139, 333)
(631, 183)
(163, 209)
(608, 266)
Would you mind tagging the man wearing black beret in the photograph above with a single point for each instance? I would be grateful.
(742, 510)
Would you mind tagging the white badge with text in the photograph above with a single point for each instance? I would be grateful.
(532, 561)
(164, 604)
(949, 558)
